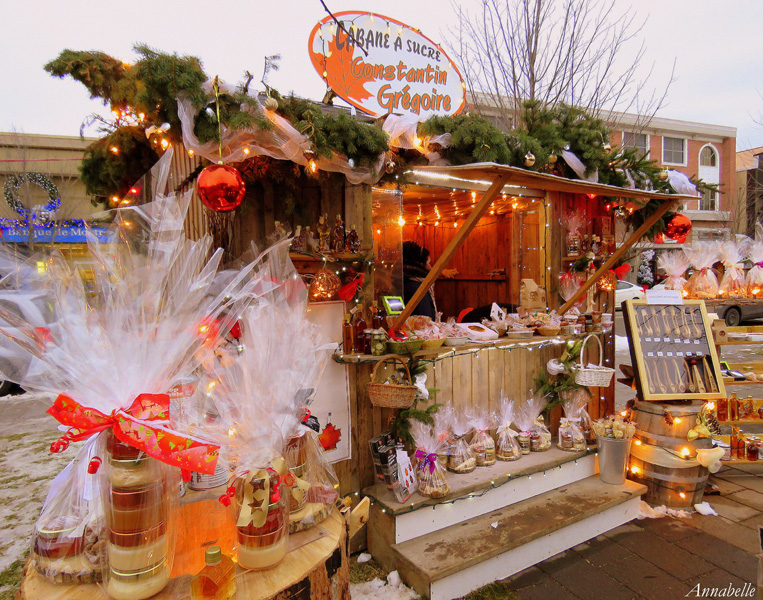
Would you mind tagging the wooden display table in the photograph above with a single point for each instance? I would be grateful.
(317, 568)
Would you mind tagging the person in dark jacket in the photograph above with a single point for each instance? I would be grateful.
(416, 266)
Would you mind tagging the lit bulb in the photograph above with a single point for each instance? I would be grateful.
(455, 224)
(682, 495)
(313, 166)
(637, 442)
(246, 151)
(401, 220)
(624, 413)
(677, 420)
(685, 452)
(211, 385)
(191, 153)
(684, 293)
(711, 406)
(635, 470)
(203, 328)
(231, 431)
(114, 150)
(378, 231)
(416, 141)
(115, 199)
(436, 223)
(133, 190)
(165, 144)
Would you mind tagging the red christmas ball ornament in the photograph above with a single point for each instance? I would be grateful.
(221, 188)
(678, 228)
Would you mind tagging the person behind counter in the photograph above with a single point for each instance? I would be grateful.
(416, 265)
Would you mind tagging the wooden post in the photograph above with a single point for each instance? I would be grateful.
(637, 235)
(487, 199)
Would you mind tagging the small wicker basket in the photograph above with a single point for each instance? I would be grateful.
(391, 395)
(595, 376)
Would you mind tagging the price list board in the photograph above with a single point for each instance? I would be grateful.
(672, 348)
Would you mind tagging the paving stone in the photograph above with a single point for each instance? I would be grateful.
(558, 561)
(724, 486)
(748, 481)
(667, 528)
(756, 469)
(645, 579)
(547, 590)
(665, 555)
(730, 474)
(717, 578)
(602, 553)
(730, 509)
(728, 557)
(618, 532)
(588, 582)
(748, 498)
(730, 532)
(754, 523)
(527, 578)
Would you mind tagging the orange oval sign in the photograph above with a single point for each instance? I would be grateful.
(382, 66)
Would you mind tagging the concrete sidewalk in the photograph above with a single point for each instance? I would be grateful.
(664, 559)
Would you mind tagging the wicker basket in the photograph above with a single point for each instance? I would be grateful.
(596, 376)
(390, 395)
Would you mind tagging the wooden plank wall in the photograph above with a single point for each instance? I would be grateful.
(508, 241)
(466, 380)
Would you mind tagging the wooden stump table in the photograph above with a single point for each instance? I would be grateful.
(316, 568)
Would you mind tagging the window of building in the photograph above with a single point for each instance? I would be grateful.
(674, 151)
(709, 200)
(637, 141)
(708, 157)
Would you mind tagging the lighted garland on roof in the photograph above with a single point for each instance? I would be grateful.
(150, 87)
(14, 182)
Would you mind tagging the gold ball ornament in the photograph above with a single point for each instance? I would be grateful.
(309, 155)
(390, 166)
(552, 158)
(324, 286)
(529, 159)
(607, 147)
(663, 175)
(271, 104)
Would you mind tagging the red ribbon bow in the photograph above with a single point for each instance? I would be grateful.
(347, 292)
(144, 426)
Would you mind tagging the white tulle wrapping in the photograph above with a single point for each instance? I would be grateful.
(675, 265)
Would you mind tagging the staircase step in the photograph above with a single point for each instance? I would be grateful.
(456, 560)
(484, 490)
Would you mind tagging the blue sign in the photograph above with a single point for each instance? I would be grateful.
(58, 235)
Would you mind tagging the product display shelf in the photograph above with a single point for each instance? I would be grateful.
(317, 562)
(728, 336)
(730, 462)
(496, 521)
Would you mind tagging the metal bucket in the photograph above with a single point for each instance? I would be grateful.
(613, 459)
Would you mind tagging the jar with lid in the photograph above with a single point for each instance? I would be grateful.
(262, 546)
(138, 505)
(524, 441)
(752, 448)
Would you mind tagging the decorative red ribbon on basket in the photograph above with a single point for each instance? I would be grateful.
(144, 425)
(429, 460)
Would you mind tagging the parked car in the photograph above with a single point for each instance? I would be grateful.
(626, 290)
(734, 314)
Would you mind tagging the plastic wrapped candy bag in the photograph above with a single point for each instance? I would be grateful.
(703, 283)
(614, 427)
(70, 536)
(482, 444)
(572, 436)
(441, 428)
(433, 482)
(755, 274)
(569, 283)
(574, 221)
(733, 284)
(534, 436)
(507, 445)
(674, 264)
(461, 457)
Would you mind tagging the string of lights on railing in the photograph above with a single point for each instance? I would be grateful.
(494, 484)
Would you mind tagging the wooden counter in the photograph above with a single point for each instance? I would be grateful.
(465, 377)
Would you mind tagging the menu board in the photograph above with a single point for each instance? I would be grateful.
(671, 346)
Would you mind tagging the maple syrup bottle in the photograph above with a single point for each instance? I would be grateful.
(375, 317)
(215, 581)
(359, 326)
(348, 335)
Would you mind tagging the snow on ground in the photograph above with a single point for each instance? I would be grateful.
(377, 589)
(26, 469)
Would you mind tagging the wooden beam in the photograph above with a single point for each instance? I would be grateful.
(637, 235)
(471, 221)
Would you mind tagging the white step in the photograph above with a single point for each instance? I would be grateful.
(459, 559)
(484, 490)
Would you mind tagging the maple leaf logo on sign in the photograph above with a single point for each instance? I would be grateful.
(383, 66)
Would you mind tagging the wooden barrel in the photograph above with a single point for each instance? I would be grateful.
(653, 427)
(670, 480)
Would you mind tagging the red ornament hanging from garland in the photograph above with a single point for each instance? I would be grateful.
(678, 228)
(221, 188)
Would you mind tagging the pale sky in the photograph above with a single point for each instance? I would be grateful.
(716, 44)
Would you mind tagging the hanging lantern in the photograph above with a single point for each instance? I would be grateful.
(529, 159)
(324, 286)
(607, 282)
(221, 188)
(678, 228)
